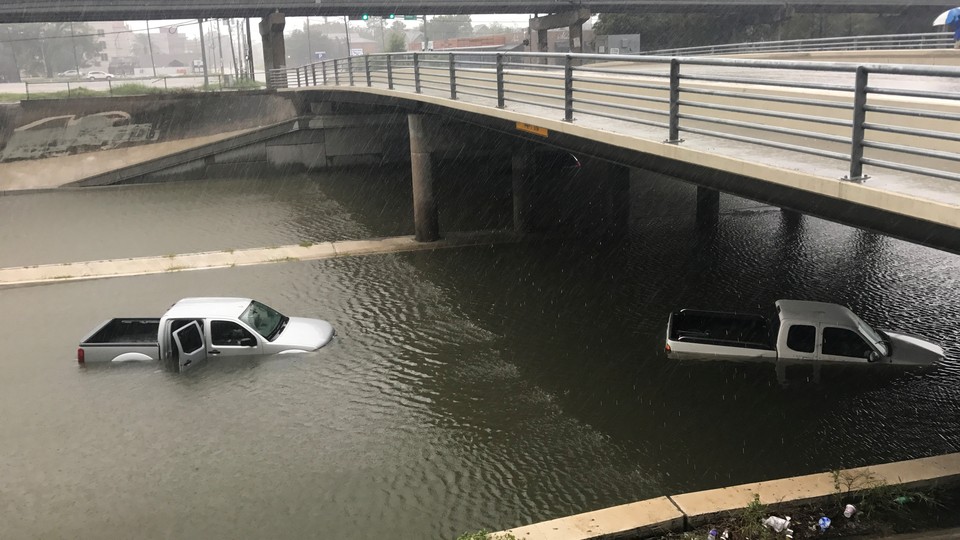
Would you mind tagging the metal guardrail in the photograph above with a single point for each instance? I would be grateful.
(898, 117)
(80, 87)
(931, 40)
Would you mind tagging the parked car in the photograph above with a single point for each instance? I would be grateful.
(70, 74)
(95, 75)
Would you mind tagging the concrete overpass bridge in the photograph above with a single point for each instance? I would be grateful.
(12, 11)
(874, 146)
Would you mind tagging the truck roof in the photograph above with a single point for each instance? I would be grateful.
(195, 308)
(816, 312)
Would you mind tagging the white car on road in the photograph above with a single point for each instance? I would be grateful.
(94, 75)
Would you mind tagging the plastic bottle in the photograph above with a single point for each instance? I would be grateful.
(776, 523)
(725, 535)
(712, 535)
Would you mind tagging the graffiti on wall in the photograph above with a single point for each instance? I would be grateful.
(65, 135)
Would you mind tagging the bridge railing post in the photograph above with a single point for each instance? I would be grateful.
(859, 117)
(336, 72)
(674, 136)
(313, 69)
(416, 72)
(568, 89)
(501, 100)
(390, 72)
(298, 77)
(453, 77)
(323, 72)
(366, 67)
(350, 69)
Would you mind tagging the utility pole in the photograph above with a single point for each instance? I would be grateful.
(73, 40)
(383, 39)
(220, 45)
(241, 57)
(426, 41)
(250, 52)
(346, 27)
(203, 56)
(309, 46)
(233, 53)
(150, 45)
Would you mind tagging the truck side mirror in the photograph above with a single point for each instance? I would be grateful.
(873, 356)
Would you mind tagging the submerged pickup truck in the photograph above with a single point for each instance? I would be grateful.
(809, 332)
(195, 328)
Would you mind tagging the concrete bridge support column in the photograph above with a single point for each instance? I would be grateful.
(274, 50)
(618, 200)
(708, 206)
(426, 217)
(571, 19)
(522, 166)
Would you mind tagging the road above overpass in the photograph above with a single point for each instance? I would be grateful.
(14, 11)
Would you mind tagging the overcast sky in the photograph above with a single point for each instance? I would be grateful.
(190, 27)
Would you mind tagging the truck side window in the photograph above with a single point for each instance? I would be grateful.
(230, 334)
(843, 342)
(802, 338)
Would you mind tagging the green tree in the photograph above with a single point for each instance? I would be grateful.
(448, 26)
(491, 29)
(396, 42)
(300, 50)
(44, 49)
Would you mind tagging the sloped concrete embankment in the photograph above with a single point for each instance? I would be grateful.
(190, 136)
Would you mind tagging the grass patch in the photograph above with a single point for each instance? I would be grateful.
(134, 89)
(64, 276)
(305, 244)
(284, 259)
(176, 268)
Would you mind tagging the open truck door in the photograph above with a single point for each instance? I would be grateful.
(190, 346)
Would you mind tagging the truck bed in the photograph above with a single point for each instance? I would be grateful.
(124, 330)
(121, 340)
(719, 335)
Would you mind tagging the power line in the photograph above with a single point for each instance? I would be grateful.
(98, 34)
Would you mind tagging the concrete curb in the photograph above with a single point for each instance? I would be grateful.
(84, 270)
(676, 513)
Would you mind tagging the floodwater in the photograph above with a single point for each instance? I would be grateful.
(475, 388)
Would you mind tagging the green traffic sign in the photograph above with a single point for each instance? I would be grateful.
(411, 17)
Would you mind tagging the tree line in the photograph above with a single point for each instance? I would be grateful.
(674, 30)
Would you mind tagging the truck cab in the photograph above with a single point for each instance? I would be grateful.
(831, 333)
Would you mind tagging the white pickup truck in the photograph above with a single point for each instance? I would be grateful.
(195, 328)
(816, 333)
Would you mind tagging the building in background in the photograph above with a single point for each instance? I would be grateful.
(116, 47)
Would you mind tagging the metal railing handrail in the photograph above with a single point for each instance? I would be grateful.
(870, 42)
(692, 103)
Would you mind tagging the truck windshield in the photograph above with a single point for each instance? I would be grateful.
(871, 335)
(267, 321)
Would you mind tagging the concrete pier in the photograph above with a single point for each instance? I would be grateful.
(425, 214)
(522, 171)
(274, 49)
(708, 206)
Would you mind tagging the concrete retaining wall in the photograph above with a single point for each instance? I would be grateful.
(54, 128)
(689, 510)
